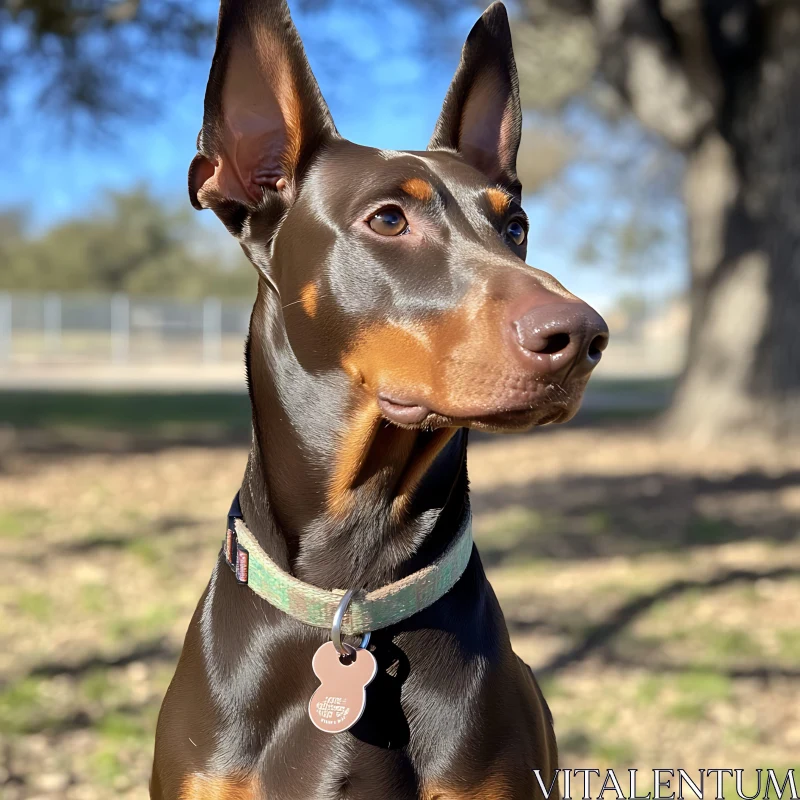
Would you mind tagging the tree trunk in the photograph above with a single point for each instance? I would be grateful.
(743, 203)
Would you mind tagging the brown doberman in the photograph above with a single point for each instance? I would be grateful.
(395, 311)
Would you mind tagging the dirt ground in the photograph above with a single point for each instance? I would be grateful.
(654, 589)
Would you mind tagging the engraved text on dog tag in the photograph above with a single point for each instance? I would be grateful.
(339, 701)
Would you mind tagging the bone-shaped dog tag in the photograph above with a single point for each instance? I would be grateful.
(339, 701)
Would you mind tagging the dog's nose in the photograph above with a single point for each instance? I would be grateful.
(562, 338)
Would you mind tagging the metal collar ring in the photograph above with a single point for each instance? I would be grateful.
(336, 630)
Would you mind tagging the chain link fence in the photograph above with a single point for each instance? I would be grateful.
(104, 339)
(63, 329)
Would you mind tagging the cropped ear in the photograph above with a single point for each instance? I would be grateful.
(264, 116)
(481, 117)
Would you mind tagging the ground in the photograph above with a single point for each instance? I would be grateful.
(653, 588)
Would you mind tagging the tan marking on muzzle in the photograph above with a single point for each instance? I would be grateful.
(390, 349)
(449, 361)
(391, 357)
(418, 188)
(457, 363)
(352, 452)
(499, 201)
(214, 787)
(407, 351)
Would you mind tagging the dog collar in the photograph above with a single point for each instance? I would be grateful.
(368, 611)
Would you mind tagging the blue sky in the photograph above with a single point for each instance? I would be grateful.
(384, 87)
(368, 66)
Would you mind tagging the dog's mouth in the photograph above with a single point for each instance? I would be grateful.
(402, 413)
(553, 404)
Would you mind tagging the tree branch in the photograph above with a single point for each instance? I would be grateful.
(92, 58)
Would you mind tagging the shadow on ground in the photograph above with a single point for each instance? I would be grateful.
(594, 516)
(652, 592)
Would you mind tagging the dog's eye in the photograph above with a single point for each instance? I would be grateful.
(515, 232)
(389, 222)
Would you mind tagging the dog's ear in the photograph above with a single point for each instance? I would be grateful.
(264, 116)
(481, 117)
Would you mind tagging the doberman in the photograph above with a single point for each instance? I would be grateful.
(394, 312)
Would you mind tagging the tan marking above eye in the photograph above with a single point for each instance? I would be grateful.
(418, 188)
(499, 201)
(309, 299)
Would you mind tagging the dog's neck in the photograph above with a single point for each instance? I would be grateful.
(335, 494)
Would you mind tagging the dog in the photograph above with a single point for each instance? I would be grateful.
(394, 312)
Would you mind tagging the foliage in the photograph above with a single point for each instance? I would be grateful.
(133, 242)
(93, 59)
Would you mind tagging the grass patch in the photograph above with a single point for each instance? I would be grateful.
(649, 690)
(120, 726)
(12, 525)
(574, 744)
(736, 734)
(688, 710)
(614, 754)
(36, 605)
(502, 535)
(178, 413)
(598, 522)
(146, 551)
(508, 527)
(154, 622)
(704, 684)
(699, 689)
(95, 598)
(707, 530)
(552, 687)
(95, 686)
(17, 523)
(19, 703)
(749, 594)
(733, 643)
(174, 414)
(789, 644)
(106, 766)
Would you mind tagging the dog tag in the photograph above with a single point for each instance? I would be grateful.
(339, 701)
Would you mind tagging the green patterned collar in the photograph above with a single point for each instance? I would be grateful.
(368, 611)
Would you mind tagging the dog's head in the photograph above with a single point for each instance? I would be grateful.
(401, 272)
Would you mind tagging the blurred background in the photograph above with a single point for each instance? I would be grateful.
(646, 555)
